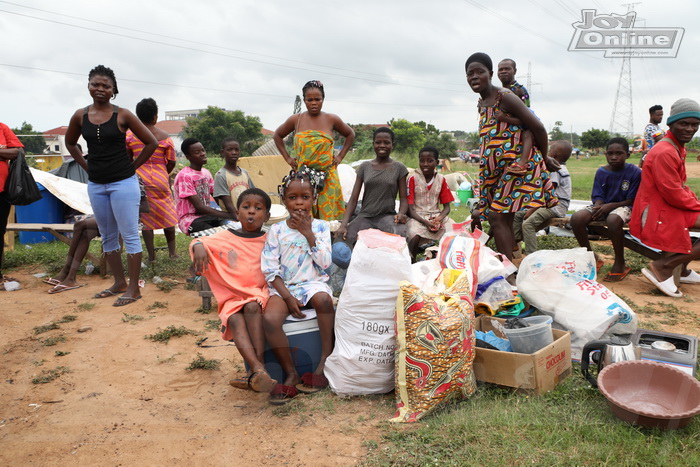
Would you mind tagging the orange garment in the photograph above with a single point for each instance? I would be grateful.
(234, 272)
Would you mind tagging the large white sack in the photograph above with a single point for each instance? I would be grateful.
(362, 361)
(561, 283)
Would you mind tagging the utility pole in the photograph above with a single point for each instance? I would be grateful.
(622, 118)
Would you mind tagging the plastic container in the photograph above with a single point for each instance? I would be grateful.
(464, 195)
(532, 338)
(48, 210)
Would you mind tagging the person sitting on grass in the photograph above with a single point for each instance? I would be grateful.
(83, 231)
(427, 189)
(296, 255)
(230, 181)
(614, 189)
(193, 189)
(230, 260)
(528, 222)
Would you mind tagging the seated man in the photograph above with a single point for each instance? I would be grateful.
(614, 189)
(666, 208)
(526, 223)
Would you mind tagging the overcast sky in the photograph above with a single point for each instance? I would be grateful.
(377, 60)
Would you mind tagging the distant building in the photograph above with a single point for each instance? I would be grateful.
(56, 142)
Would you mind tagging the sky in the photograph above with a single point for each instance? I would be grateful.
(377, 60)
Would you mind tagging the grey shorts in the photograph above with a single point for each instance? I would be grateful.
(623, 212)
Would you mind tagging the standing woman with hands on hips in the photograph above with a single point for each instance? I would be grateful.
(112, 187)
(313, 147)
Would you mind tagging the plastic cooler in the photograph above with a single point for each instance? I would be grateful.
(48, 210)
(304, 343)
(532, 338)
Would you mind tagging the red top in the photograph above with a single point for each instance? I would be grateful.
(8, 140)
(672, 208)
(445, 193)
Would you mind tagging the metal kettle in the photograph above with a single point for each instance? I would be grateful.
(616, 349)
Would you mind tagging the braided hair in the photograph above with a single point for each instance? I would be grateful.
(101, 70)
(315, 177)
(314, 84)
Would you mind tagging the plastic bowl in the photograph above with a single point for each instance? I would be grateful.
(532, 338)
(650, 394)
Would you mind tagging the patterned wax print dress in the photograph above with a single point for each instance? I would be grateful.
(314, 149)
(500, 147)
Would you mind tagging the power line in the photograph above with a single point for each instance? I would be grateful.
(219, 47)
(202, 88)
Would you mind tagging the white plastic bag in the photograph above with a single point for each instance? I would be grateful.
(362, 361)
(455, 250)
(561, 283)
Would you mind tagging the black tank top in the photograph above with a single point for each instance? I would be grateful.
(108, 159)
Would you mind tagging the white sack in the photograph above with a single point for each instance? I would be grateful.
(561, 283)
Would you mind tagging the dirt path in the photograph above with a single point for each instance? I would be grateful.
(128, 400)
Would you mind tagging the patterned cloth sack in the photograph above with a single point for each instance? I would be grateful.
(436, 343)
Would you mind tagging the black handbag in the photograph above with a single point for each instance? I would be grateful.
(20, 187)
(144, 207)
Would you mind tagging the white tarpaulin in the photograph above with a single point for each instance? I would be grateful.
(73, 193)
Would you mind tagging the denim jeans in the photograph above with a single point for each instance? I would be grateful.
(116, 208)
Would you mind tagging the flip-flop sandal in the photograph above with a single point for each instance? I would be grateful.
(51, 281)
(123, 301)
(668, 286)
(312, 383)
(62, 288)
(281, 394)
(106, 293)
(617, 276)
(258, 381)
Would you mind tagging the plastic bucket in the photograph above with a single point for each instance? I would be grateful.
(464, 195)
(47, 210)
(532, 338)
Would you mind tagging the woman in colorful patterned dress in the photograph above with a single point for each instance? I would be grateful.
(504, 194)
(155, 175)
(313, 147)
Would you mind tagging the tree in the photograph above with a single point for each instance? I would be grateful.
(214, 124)
(595, 139)
(444, 143)
(32, 144)
(409, 136)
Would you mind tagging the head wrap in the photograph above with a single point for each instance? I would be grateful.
(482, 58)
(683, 108)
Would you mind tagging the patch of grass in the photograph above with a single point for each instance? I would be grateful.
(47, 376)
(170, 359)
(46, 328)
(201, 363)
(67, 319)
(166, 334)
(38, 362)
(156, 305)
(571, 425)
(212, 324)
(166, 286)
(190, 286)
(204, 311)
(86, 306)
(131, 318)
(51, 341)
(60, 353)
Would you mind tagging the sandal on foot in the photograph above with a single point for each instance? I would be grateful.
(281, 394)
(123, 301)
(692, 278)
(51, 281)
(62, 288)
(258, 381)
(668, 286)
(312, 383)
(617, 276)
(106, 293)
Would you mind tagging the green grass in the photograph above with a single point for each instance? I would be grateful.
(51, 341)
(47, 376)
(201, 363)
(166, 334)
(571, 425)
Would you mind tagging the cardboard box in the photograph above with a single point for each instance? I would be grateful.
(539, 372)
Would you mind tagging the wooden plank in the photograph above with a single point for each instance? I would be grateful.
(38, 227)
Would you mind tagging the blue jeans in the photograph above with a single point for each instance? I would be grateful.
(116, 207)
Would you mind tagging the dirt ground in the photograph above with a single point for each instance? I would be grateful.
(128, 400)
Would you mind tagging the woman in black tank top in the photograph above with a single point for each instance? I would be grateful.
(112, 187)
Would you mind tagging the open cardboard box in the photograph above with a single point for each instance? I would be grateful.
(539, 372)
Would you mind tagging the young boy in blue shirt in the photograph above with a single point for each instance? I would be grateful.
(614, 189)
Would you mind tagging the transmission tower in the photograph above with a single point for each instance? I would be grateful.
(622, 119)
(297, 105)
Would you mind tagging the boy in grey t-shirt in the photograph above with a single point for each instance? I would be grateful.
(230, 181)
(529, 221)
